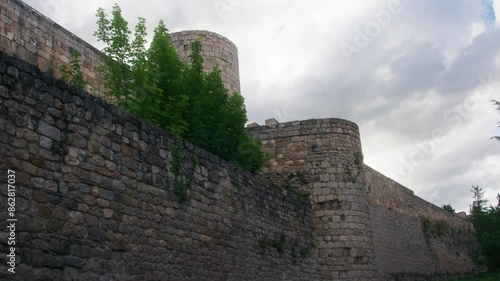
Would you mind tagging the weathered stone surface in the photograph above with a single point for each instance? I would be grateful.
(301, 156)
(398, 215)
(114, 205)
(49, 131)
(13, 72)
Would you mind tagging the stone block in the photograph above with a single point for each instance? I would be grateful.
(49, 131)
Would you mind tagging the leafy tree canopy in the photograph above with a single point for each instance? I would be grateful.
(486, 221)
(156, 86)
(449, 208)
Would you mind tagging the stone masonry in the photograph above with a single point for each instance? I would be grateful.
(323, 157)
(408, 241)
(364, 221)
(26, 33)
(95, 197)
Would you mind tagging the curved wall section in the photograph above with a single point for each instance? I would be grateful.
(323, 158)
(217, 49)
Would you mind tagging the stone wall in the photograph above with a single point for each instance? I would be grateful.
(323, 158)
(413, 238)
(96, 197)
(356, 206)
(96, 192)
(27, 34)
(217, 50)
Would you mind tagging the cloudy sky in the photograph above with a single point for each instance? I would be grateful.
(416, 76)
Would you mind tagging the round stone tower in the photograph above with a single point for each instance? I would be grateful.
(216, 49)
(323, 158)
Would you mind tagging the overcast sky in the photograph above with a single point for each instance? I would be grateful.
(416, 76)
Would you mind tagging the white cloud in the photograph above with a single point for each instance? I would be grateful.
(496, 9)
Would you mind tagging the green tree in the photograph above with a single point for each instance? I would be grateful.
(116, 70)
(170, 105)
(156, 86)
(216, 119)
(194, 85)
(215, 114)
(479, 202)
(486, 221)
(73, 75)
(449, 208)
(497, 104)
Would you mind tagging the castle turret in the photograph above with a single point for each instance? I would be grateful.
(216, 49)
(324, 158)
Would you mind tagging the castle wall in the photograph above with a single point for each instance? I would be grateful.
(217, 50)
(96, 194)
(95, 197)
(414, 238)
(27, 34)
(323, 158)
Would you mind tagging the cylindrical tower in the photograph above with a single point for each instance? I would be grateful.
(216, 49)
(324, 158)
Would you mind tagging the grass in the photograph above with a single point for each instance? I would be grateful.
(482, 277)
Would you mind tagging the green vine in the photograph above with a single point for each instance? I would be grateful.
(181, 183)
